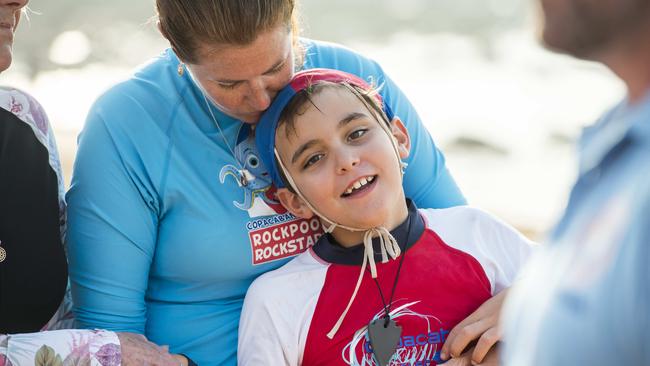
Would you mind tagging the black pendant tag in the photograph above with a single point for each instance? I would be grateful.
(384, 339)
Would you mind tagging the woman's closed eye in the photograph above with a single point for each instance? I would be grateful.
(228, 85)
(276, 69)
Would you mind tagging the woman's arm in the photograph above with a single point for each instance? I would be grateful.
(112, 225)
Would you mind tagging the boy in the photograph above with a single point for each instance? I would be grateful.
(333, 152)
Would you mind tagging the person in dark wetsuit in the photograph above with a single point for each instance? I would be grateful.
(33, 265)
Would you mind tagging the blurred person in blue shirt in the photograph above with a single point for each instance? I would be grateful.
(585, 300)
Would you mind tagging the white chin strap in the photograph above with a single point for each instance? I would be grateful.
(388, 246)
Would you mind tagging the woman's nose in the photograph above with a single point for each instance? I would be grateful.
(260, 95)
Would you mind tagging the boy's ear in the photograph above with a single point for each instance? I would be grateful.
(401, 135)
(294, 204)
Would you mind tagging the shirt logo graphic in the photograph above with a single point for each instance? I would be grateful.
(281, 236)
(422, 337)
(259, 193)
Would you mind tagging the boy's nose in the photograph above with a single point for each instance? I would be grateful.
(347, 162)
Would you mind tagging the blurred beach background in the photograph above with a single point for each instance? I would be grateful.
(505, 111)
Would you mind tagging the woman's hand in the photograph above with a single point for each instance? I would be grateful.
(137, 351)
(491, 359)
(481, 326)
(182, 360)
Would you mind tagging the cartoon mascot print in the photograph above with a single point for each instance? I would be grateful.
(259, 193)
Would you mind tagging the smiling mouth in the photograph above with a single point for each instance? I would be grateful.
(360, 186)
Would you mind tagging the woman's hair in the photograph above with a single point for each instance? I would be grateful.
(188, 24)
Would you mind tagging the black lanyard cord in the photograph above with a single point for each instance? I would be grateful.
(392, 292)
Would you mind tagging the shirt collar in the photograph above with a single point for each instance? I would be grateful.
(407, 233)
(640, 119)
(621, 124)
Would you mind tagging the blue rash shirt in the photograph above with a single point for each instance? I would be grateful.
(162, 239)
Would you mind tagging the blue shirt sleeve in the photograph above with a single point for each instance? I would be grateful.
(112, 223)
(642, 316)
(427, 181)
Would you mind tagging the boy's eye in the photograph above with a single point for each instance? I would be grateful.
(312, 160)
(357, 134)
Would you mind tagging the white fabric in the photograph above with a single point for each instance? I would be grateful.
(277, 312)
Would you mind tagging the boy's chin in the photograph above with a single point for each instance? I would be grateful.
(381, 213)
(369, 224)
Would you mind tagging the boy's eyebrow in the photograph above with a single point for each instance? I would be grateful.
(347, 119)
(301, 150)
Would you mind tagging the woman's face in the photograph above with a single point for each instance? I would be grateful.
(242, 80)
(9, 17)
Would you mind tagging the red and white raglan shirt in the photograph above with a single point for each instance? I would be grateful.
(454, 260)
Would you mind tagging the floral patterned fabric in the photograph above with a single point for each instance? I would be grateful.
(53, 347)
(61, 347)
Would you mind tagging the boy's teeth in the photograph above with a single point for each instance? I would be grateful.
(360, 183)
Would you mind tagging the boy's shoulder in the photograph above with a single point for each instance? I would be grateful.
(277, 312)
(304, 274)
(458, 217)
(498, 247)
(467, 225)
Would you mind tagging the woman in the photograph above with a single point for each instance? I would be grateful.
(33, 267)
(172, 214)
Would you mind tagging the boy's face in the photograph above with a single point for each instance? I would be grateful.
(343, 162)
